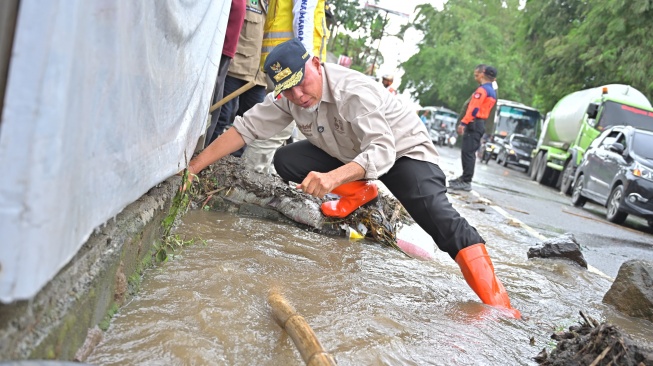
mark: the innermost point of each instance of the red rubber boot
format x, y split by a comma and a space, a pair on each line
352, 196
478, 271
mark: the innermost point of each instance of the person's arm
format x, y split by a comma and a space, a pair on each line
224, 145
304, 22
318, 184
262, 121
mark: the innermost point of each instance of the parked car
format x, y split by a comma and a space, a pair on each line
617, 172
516, 150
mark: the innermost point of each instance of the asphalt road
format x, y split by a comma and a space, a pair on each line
550, 213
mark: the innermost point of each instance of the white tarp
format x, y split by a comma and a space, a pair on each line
104, 100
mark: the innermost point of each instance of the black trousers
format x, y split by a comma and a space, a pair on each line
239, 105
471, 142
218, 93
418, 185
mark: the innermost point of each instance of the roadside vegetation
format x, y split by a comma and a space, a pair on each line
542, 49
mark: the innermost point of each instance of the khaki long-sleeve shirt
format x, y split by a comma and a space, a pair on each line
245, 63
357, 120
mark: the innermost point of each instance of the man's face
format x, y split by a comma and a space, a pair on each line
308, 93
478, 75
386, 82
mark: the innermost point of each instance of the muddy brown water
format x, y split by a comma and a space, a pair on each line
368, 304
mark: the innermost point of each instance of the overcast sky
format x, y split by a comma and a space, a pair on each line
394, 50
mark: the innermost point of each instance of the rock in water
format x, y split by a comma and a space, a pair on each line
632, 290
563, 246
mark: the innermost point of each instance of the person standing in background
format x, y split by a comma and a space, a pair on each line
234, 26
425, 118
245, 68
387, 81
472, 125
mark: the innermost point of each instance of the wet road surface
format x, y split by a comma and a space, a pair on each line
550, 213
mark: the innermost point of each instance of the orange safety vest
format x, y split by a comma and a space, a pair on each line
481, 103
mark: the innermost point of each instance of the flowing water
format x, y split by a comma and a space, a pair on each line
368, 304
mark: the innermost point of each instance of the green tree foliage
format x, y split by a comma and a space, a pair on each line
543, 49
554, 69
355, 32
464, 34
578, 44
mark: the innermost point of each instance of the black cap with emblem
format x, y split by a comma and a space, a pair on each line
285, 65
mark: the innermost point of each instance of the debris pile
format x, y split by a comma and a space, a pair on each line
594, 343
227, 184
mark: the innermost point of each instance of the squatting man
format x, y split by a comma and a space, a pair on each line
357, 132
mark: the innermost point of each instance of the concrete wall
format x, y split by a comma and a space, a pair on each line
85, 293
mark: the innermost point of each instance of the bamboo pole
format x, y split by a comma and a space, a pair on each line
298, 329
231, 96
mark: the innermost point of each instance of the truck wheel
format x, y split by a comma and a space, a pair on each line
534, 165
541, 174
577, 198
567, 180
613, 214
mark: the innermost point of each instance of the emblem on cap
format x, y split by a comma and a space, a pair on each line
285, 65
276, 67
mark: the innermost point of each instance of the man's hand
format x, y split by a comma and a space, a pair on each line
185, 174
461, 129
318, 184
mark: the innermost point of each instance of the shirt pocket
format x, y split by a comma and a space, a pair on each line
251, 36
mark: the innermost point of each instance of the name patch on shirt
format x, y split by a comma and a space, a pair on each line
338, 126
305, 129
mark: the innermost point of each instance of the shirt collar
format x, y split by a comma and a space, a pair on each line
327, 96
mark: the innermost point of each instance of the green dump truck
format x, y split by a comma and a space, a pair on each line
575, 121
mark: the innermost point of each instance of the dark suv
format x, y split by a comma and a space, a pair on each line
516, 150
617, 172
